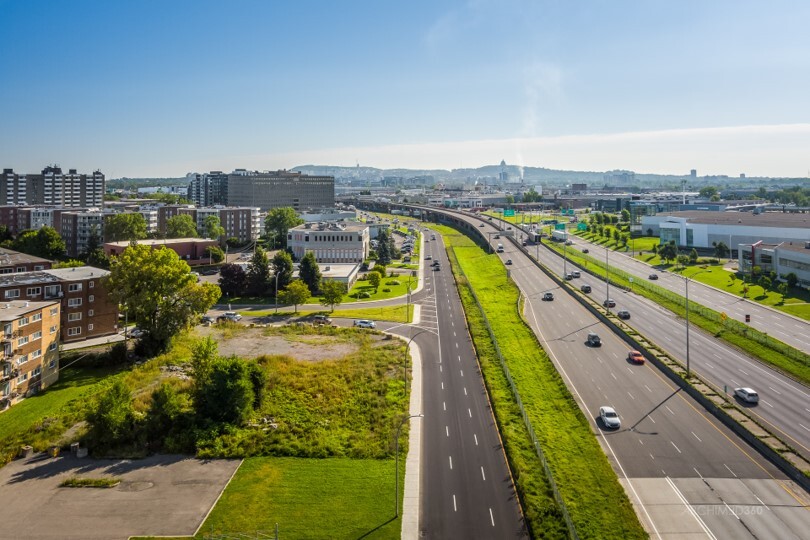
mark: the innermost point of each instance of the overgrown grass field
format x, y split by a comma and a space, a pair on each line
586, 481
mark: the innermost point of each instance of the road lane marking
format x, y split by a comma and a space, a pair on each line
456, 345
670, 410
465, 390
698, 438
730, 510
651, 418
676, 448
476, 439
459, 358
775, 390
451, 462
630, 370
613, 375
482, 474
455, 508
444, 404
491, 517
462, 372
442, 385
690, 509
447, 430
641, 442
454, 333
652, 457
440, 368
469, 412
735, 383
631, 395
648, 388
805, 427
766, 403
729, 470
709, 365
742, 371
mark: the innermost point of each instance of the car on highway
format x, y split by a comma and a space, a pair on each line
749, 395
575, 273
365, 323
585, 250
609, 417
524, 243
653, 276
490, 218
481, 225
433, 237
509, 261
548, 297
428, 257
623, 314
593, 340
569, 243
635, 357
436, 267
610, 302
509, 228
569, 276
435, 263
585, 288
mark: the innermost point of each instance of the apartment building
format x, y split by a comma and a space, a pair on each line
191, 250
269, 189
14, 261
76, 228
29, 357
53, 187
331, 242
86, 309
243, 223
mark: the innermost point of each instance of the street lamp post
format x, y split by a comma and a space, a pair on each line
396, 472
407, 348
607, 279
688, 279
276, 302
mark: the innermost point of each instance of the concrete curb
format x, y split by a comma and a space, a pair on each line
413, 469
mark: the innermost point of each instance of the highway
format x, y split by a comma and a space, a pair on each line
466, 487
686, 473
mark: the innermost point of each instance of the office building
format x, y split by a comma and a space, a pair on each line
53, 187
29, 358
783, 258
330, 242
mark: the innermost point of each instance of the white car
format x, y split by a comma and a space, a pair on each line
609, 417
749, 395
365, 323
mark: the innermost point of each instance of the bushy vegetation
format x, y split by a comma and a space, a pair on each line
77, 482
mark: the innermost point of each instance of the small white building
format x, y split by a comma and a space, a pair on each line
783, 258
331, 242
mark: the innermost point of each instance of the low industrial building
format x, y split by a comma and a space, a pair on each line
330, 242
29, 358
344, 273
191, 250
784, 258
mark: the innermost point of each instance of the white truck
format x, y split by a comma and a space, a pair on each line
500, 248
559, 236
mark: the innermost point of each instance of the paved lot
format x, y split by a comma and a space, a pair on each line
160, 495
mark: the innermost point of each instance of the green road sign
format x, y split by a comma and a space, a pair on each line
509, 212
582, 226
559, 227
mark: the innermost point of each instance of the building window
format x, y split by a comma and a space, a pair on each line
75, 331
33, 291
36, 354
53, 329
74, 302
53, 346
38, 267
22, 269
22, 341
91, 298
23, 321
22, 378
91, 284
52, 363
54, 311
90, 313
36, 335
13, 293
74, 287
75, 316
89, 327
22, 359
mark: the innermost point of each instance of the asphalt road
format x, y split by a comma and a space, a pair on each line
665, 435
467, 490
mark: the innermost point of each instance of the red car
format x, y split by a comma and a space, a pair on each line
635, 357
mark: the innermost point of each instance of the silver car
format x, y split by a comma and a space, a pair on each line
749, 395
365, 323
609, 417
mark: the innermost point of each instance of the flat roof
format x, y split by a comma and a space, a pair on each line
794, 246
77, 273
8, 257
13, 310
159, 241
765, 219
346, 227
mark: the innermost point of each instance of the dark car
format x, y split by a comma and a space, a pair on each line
653, 276
585, 250
610, 302
509, 261
623, 314
585, 288
594, 340
481, 225
206, 319
548, 297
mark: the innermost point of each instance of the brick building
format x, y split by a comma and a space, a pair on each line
86, 309
14, 262
191, 250
29, 353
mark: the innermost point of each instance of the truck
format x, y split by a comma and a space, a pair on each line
559, 236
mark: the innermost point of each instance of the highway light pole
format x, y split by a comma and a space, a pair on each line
688, 279
396, 472
276, 299
607, 279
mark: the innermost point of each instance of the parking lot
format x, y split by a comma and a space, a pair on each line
159, 495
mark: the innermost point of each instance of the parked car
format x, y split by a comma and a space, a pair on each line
593, 340
610, 302
509, 261
749, 395
609, 417
365, 323
575, 273
490, 218
206, 319
548, 297
635, 357
623, 314
585, 288
653, 276
321, 319
428, 257
585, 250
230, 316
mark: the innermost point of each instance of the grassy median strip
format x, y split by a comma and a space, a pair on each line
769, 350
77, 482
590, 489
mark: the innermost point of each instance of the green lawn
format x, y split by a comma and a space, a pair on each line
398, 286
586, 481
309, 499
50, 409
384, 313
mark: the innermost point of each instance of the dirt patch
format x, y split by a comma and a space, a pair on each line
252, 342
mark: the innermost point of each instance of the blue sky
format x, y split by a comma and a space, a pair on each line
161, 88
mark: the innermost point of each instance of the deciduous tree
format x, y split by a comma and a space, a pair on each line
181, 226
332, 292
232, 280
214, 229
375, 280
279, 221
44, 242
258, 274
283, 268
295, 294
124, 227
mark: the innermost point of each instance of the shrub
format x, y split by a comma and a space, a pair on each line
363, 294
386, 289
393, 282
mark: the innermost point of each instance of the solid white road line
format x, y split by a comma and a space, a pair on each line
451, 462
698, 438
491, 517
476, 439
447, 430
469, 412
483, 476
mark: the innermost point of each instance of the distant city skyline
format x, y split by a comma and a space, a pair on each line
149, 89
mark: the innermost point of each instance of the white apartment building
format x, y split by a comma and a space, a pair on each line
331, 242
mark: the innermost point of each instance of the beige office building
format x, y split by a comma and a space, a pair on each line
331, 243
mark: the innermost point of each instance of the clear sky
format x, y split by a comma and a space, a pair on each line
165, 87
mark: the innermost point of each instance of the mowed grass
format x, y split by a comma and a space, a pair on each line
309, 499
384, 313
51, 410
580, 468
397, 286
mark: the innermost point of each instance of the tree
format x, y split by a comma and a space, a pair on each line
283, 268
295, 294
226, 394
721, 250
708, 192
113, 419
783, 290
625, 215
693, 256
181, 226
213, 228
385, 247
375, 279
668, 251
765, 282
44, 242
215, 253
510, 199
531, 195
70, 263
124, 227
157, 291
649, 231
309, 272
5, 234
258, 274
279, 221
94, 253
332, 292
167, 413
683, 260
792, 279
232, 280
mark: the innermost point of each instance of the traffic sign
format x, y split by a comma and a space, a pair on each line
559, 227
509, 212
581, 226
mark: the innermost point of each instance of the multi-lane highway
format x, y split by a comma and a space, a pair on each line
686, 472
466, 487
